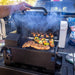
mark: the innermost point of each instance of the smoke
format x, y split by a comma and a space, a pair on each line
36, 21
33, 21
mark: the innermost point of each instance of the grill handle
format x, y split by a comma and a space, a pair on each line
42, 8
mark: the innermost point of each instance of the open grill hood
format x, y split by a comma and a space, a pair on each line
36, 21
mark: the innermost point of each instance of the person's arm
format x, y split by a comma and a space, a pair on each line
6, 10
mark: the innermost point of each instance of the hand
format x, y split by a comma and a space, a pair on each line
24, 6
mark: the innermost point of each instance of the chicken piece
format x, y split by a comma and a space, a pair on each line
34, 34
38, 34
35, 45
42, 35
26, 45
47, 36
51, 43
42, 47
52, 36
46, 47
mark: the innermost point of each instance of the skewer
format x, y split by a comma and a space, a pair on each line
46, 39
62, 53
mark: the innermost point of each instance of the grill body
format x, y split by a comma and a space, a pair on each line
13, 54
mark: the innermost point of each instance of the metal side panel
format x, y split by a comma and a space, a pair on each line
33, 57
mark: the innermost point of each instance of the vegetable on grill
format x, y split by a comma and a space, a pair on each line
40, 41
35, 45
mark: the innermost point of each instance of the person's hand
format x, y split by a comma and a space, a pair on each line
21, 6
24, 6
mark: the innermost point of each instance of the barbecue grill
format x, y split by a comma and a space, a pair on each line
15, 54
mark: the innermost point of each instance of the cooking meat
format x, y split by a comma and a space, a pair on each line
35, 45
47, 36
27, 44
51, 42
38, 34
42, 35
